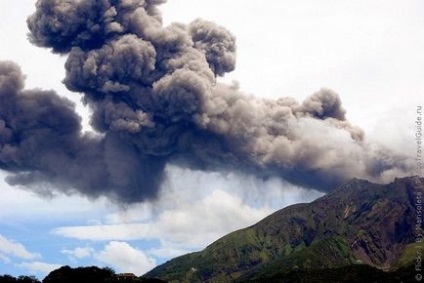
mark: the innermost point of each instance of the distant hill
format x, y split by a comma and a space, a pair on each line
359, 228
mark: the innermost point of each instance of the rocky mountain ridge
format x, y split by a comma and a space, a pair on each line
357, 223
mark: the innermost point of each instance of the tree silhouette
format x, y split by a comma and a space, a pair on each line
91, 274
21, 279
67, 274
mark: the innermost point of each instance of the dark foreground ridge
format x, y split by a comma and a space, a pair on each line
92, 274
359, 230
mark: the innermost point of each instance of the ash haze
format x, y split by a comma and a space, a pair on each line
164, 132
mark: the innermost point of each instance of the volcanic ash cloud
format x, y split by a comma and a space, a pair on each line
154, 100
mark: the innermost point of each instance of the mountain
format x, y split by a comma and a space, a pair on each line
359, 224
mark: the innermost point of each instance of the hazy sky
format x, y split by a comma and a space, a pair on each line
369, 52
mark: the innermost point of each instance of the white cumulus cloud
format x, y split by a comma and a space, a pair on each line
14, 249
79, 252
39, 267
125, 258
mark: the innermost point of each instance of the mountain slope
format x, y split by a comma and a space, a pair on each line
359, 222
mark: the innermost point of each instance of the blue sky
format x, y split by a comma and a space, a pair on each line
39, 234
370, 52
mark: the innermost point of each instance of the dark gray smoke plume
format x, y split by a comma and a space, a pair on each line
154, 100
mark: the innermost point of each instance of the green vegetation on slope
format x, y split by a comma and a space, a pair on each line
359, 222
